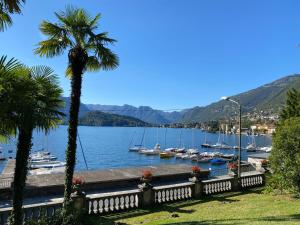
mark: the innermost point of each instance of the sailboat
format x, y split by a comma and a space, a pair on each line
251, 147
139, 147
193, 150
168, 152
205, 144
155, 150
221, 144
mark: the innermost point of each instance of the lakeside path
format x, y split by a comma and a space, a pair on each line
49, 187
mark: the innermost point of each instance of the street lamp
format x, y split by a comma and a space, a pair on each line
240, 133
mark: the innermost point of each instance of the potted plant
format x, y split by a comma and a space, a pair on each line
264, 164
195, 173
233, 167
146, 179
78, 183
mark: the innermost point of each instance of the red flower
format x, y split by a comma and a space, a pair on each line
196, 169
147, 174
78, 181
232, 166
264, 162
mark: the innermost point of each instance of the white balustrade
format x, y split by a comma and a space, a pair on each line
168, 193
251, 181
216, 186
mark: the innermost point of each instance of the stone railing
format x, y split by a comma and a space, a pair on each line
5, 182
146, 196
215, 186
248, 181
33, 211
173, 192
113, 202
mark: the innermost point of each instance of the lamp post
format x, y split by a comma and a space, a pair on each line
240, 132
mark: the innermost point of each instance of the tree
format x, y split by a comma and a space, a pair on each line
75, 31
8, 7
285, 155
292, 108
29, 99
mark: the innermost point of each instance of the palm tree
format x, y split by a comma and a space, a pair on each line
8, 7
87, 51
29, 99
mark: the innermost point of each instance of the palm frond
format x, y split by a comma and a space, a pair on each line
9, 65
5, 20
93, 64
51, 47
12, 6
108, 59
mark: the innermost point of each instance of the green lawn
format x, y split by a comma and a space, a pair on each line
253, 208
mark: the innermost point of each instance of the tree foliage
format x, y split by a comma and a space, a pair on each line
8, 7
76, 31
285, 155
292, 108
29, 99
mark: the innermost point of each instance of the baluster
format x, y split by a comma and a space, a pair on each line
186, 192
131, 201
163, 194
122, 202
127, 202
171, 195
105, 205
182, 193
117, 203
178, 193
111, 204
159, 196
175, 194
168, 195
136, 200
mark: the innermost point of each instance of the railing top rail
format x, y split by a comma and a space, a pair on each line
173, 186
251, 173
112, 194
224, 178
36, 205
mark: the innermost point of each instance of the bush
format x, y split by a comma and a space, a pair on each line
285, 156
60, 218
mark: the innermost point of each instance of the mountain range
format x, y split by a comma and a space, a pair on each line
269, 99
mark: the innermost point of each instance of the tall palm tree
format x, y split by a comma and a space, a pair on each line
75, 31
29, 99
8, 7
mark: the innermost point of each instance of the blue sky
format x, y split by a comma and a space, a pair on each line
174, 53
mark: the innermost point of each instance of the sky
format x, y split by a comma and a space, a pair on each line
174, 54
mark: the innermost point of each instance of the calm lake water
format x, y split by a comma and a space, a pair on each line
107, 147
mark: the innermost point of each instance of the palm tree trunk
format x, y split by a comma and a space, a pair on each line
77, 61
21, 168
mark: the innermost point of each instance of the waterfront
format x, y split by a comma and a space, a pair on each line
107, 147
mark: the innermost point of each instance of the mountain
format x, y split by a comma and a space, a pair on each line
98, 118
144, 113
268, 99
82, 110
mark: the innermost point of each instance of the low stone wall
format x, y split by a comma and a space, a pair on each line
146, 195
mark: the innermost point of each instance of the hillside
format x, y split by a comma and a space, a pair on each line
269, 98
98, 118
144, 113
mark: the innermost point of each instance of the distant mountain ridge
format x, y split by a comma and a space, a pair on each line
269, 98
144, 113
98, 118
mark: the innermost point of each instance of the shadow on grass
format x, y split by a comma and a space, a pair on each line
177, 207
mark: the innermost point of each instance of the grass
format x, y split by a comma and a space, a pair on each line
255, 208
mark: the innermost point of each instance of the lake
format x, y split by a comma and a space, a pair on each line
107, 147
